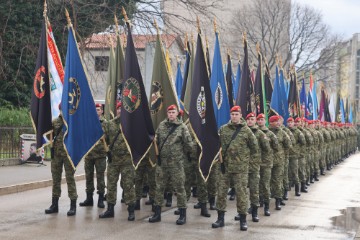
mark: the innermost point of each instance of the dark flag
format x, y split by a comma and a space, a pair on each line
327, 111
245, 88
268, 88
186, 73
309, 115
136, 124
337, 109
293, 98
229, 81
258, 88
40, 94
201, 113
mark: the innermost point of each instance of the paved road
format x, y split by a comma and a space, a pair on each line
331, 210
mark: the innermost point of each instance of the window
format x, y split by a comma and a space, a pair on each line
357, 92
358, 53
357, 77
358, 64
101, 63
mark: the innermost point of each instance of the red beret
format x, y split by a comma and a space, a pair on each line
298, 119
235, 109
304, 119
290, 119
274, 118
172, 107
118, 105
181, 112
250, 115
311, 121
261, 115
98, 105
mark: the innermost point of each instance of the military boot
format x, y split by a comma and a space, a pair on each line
277, 203
197, 205
266, 209
303, 189
149, 202
282, 203
131, 211
168, 199
72, 210
101, 201
54, 208
307, 181
89, 201
212, 203
137, 205
204, 210
232, 194
177, 211
109, 213
237, 217
194, 192
322, 171
157, 215
182, 218
261, 201
297, 190
311, 178
285, 196
145, 192
243, 223
254, 213
316, 177
220, 220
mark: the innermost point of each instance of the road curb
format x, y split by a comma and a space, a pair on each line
33, 185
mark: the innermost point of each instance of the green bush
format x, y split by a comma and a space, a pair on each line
15, 117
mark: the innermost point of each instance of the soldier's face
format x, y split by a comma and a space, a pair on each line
291, 124
172, 114
261, 122
118, 111
251, 121
274, 124
235, 117
99, 111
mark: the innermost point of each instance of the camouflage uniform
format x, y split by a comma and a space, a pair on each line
314, 153
308, 151
286, 163
236, 160
60, 159
120, 164
295, 154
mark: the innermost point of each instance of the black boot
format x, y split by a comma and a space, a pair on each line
307, 181
182, 218
145, 191
131, 211
194, 192
212, 203
72, 210
311, 178
316, 177
297, 190
285, 196
243, 223
54, 208
322, 171
149, 202
177, 211
266, 209
261, 201
109, 213
303, 189
89, 201
232, 194
157, 215
101, 201
282, 203
204, 210
197, 205
137, 205
220, 220
254, 213
277, 203
237, 217
168, 199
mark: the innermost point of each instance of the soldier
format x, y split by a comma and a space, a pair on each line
119, 162
59, 159
266, 164
96, 158
286, 185
239, 145
174, 144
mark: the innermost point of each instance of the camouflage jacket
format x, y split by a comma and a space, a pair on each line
284, 144
274, 146
59, 151
236, 156
314, 147
98, 152
299, 142
290, 136
177, 146
264, 148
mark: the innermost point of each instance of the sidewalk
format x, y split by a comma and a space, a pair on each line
19, 178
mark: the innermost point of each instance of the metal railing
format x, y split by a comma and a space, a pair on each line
10, 141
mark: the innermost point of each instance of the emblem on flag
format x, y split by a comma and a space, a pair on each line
201, 105
157, 97
218, 96
74, 95
131, 95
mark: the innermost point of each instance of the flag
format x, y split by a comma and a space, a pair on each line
237, 81
208, 58
229, 81
245, 88
315, 105
267, 93
186, 74
279, 101
201, 113
350, 114
310, 114
109, 111
82, 126
179, 83
337, 109
168, 63
56, 73
136, 124
347, 110
189, 80
342, 110
293, 99
332, 107
322, 106
162, 93
40, 94
327, 112
218, 88
258, 88
303, 100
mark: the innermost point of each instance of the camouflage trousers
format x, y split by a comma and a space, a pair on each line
207, 189
240, 181
56, 171
175, 177
213, 180
277, 180
254, 179
302, 169
264, 184
127, 172
294, 170
190, 176
308, 165
144, 175
316, 162
90, 165
322, 159
286, 173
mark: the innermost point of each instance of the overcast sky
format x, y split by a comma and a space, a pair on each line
343, 16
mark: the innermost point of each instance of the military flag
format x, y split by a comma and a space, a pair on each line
350, 114
246, 88
218, 88
303, 100
315, 105
342, 110
293, 99
188, 87
309, 114
322, 106
40, 94
82, 126
201, 113
179, 83
337, 109
258, 88
237, 82
267, 92
327, 112
229, 81
279, 101
347, 110
208, 56
136, 123
186, 72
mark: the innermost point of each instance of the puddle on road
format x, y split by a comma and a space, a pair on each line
348, 221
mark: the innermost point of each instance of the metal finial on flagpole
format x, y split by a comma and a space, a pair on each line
116, 24
244, 37
67, 17
198, 24
156, 26
45, 9
215, 26
125, 15
186, 41
258, 47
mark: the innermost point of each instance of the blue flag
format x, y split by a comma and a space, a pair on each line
82, 126
218, 88
342, 110
279, 102
350, 115
237, 80
178, 84
303, 100
309, 115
